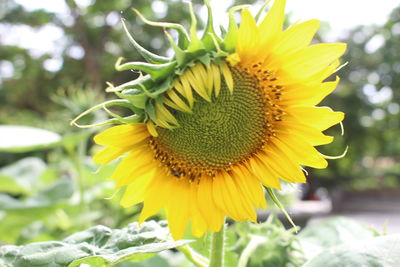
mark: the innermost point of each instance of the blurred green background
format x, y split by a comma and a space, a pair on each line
49, 189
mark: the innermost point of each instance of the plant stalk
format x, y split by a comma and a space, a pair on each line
217, 248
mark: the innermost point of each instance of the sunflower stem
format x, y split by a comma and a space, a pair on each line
217, 248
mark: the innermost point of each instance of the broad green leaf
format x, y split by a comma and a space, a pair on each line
373, 252
22, 176
19, 213
98, 246
335, 231
44, 200
24, 139
155, 261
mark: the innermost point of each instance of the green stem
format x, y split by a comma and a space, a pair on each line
217, 248
255, 241
78, 165
193, 256
77, 154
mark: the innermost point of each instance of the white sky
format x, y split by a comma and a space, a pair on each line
342, 15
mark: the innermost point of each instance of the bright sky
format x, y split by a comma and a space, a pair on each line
342, 15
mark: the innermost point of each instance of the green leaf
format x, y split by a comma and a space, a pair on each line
335, 231
20, 139
97, 246
155, 261
22, 176
373, 252
42, 202
18, 213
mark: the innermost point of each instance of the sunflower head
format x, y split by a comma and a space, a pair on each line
223, 118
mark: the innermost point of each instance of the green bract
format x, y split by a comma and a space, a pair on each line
141, 94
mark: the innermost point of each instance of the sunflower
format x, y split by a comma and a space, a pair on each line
223, 119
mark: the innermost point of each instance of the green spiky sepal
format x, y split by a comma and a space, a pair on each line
141, 94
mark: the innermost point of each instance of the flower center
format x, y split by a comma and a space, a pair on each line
217, 134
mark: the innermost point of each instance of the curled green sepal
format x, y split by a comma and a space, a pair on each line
149, 56
180, 56
115, 102
229, 43
156, 71
280, 206
136, 97
144, 80
183, 37
195, 44
125, 120
150, 111
219, 52
209, 35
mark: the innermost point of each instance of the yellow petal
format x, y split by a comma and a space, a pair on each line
225, 195
265, 174
180, 104
132, 166
109, 153
282, 164
247, 36
250, 185
196, 84
239, 198
199, 225
308, 95
301, 151
297, 128
217, 78
163, 114
135, 191
178, 207
228, 76
319, 117
296, 37
207, 206
151, 128
313, 59
122, 135
156, 195
185, 89
201, 73
271, 26
209, 79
